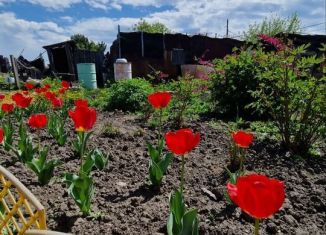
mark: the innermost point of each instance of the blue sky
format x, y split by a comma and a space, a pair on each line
31, 24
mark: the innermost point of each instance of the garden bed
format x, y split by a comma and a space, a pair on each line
126, 204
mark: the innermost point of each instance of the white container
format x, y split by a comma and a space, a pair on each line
10, 80
122, 69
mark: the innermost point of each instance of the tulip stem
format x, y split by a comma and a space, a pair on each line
182, 173
82, 147
160, 127
256, 226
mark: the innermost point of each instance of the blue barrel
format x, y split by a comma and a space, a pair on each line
87, 75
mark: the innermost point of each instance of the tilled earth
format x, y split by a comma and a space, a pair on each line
126, 204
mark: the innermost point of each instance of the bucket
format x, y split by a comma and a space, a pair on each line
122, 70
87, 75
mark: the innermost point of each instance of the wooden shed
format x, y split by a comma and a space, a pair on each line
65, 56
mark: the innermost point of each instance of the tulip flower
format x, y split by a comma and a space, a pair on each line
1, 135
83, 117
2, 96
159, 100
37, 121
57, 102
49, 95
65, 84
182, 142
242, 139
21, 100
158, 164
7, 108
39, 90
81, 102
47, 86
62, 90
29, 86
257, 195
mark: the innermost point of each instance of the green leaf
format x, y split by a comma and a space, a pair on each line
177, 206
80, 188
153, 153
100, 159
155, 173
190, 223
170, 224
165, 162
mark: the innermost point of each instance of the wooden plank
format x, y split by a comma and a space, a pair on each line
15, 70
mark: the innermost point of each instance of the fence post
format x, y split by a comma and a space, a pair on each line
15, 70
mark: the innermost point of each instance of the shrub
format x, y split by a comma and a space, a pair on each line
129, 95
235, 76
292, 87
190, 99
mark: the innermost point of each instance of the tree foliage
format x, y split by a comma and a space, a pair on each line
156, 27
83, 43
273, 25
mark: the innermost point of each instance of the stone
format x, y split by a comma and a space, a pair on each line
209, 193
121, 184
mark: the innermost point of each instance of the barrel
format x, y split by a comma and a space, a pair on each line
122, 70
87, 75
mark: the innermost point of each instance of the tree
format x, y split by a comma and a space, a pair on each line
273, 25
156, 27
83, 43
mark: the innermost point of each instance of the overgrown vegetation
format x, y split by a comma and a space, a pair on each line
129, 95
273, 25
235, 76
83, 43
156, 27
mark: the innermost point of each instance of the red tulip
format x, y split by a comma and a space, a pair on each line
65, 84
242, 139
257, 195
47, 86
83, 117
37, 120
1, 135
7, 108
81, 102
182, 141
49, 95
21, 100
29, 86
40, 90
62, 90
159, 99
2, 96
57, 102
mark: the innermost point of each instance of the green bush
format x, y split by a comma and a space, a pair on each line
190, 99
235, 76
292, 87
129, 95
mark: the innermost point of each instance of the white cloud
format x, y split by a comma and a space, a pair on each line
54, 4
18, 34
67, 19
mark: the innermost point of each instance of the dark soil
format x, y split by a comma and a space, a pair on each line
126, 204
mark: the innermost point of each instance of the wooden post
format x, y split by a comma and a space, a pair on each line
119, 39
15, 70
142, 43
